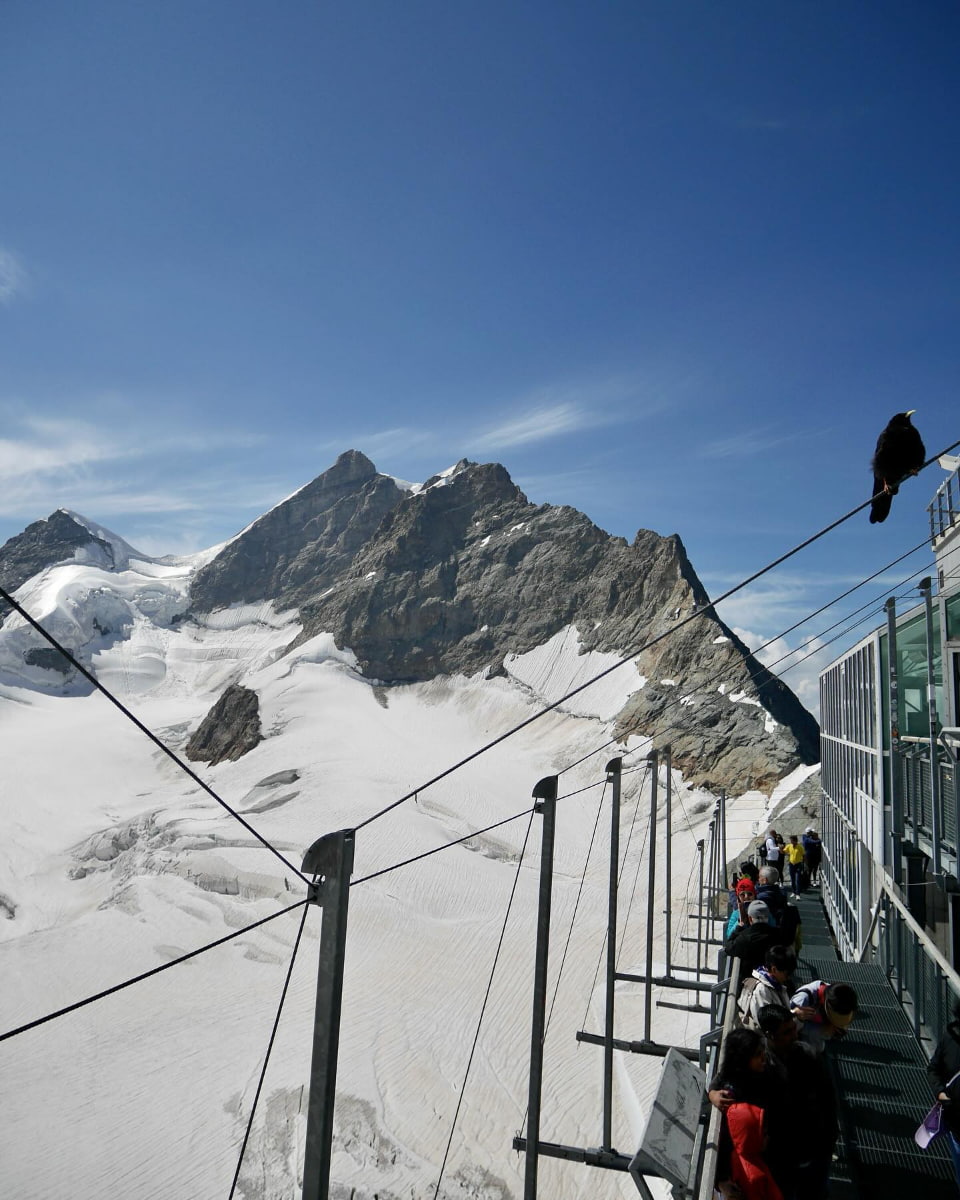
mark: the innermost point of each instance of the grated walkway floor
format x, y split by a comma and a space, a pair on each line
879, 1070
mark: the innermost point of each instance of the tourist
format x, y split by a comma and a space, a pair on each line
824, 1011
744, 896
774, 843
813, 854
746, 1080
943, 1074
767, 985
795, 855
751, 942
811, 1102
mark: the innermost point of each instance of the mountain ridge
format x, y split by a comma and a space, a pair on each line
463, 575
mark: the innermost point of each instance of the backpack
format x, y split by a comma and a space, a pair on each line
743, 1003
815, 997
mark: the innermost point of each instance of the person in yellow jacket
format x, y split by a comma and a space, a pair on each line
794, 853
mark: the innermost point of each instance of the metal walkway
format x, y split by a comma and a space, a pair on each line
879, 1072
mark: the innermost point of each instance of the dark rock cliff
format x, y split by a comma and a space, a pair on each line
229, 730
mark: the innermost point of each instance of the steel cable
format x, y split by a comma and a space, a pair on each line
266, 1059
119, 987
171, 754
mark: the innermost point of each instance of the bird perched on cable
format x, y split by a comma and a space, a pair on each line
900, 452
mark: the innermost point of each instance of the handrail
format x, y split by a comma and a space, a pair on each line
929, 946
708, 1166
873, 924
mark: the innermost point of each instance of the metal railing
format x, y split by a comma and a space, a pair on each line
926, 984
703, 1166
918, 794
945, 509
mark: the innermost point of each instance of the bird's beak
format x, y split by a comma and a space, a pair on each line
910, 412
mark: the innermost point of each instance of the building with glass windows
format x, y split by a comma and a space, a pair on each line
889, 717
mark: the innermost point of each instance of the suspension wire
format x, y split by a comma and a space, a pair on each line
697, 612
573, 917
266, 1059
843, 595
171, 754
621, 867
486, 998
446, 846
875, 611
586, 788
783, 633
773, 676
636, 878
686, 909
816, 650
870, 604
119, 987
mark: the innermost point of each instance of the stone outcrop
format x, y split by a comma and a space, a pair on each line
229, 730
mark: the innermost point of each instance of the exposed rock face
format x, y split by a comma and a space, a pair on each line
230, 728
304, 544
57, 539
465, 570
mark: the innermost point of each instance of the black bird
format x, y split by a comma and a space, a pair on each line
900, 452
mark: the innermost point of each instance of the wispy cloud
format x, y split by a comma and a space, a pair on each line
573, 406
107, 472
383, 443
53, 448
13, 277
746, 444
534, 426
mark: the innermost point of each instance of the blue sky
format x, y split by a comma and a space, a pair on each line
674, 264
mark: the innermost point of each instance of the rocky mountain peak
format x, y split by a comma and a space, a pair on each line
461, 573
304, 543
58, 538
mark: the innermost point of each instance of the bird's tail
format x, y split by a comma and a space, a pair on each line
880, 508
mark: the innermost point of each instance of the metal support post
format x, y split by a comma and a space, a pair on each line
936, 813
329, 861
546, 793
700, 906
654, 761
896, 763
723, 881
916, 883
668, 865
614, 779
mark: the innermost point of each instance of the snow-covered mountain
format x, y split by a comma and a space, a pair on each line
359, 638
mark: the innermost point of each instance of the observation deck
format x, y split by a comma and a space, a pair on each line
879, 1072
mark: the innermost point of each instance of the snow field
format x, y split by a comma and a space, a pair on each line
116, 862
